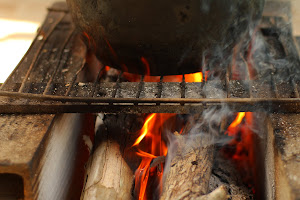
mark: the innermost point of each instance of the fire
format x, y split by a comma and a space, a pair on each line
144, 129
142, 176
195, 77
232, 129
241, 148
146, 64
150, 140
149, 144
150, 136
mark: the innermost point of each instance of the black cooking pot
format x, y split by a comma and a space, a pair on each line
162, 37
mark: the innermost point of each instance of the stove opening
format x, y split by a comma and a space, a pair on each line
11, 186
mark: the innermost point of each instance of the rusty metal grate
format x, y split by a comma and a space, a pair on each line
46, 80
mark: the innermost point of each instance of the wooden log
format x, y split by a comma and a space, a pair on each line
218, 194
188, 171
110, 173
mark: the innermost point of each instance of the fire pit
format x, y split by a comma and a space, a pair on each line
52, 78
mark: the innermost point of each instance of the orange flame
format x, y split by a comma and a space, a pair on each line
241, 148
146, 64
150, 138
142, 176
232, 129
91, 41
144, 129
145, 154
196, 77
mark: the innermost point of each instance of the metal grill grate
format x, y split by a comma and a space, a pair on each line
46, 80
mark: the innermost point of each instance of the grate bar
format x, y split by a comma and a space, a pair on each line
296, 92
183, 87
83, 65
126, 105
38, 53
117, 85
67, 40
140, 88
290, 48
97, 81
273, 85
42, 98
227, 78
159, 87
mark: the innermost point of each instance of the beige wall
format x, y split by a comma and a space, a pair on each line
296, 16
28, 10
295, 13
19, 20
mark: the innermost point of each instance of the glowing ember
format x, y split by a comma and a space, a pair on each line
197, 77
241, 148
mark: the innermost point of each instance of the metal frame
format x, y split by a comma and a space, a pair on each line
21, 101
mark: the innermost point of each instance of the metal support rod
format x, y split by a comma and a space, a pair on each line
41, 98
117, 85
159, 87
97, 81
141, 87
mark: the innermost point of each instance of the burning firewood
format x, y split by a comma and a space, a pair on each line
189, 174
188, 171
